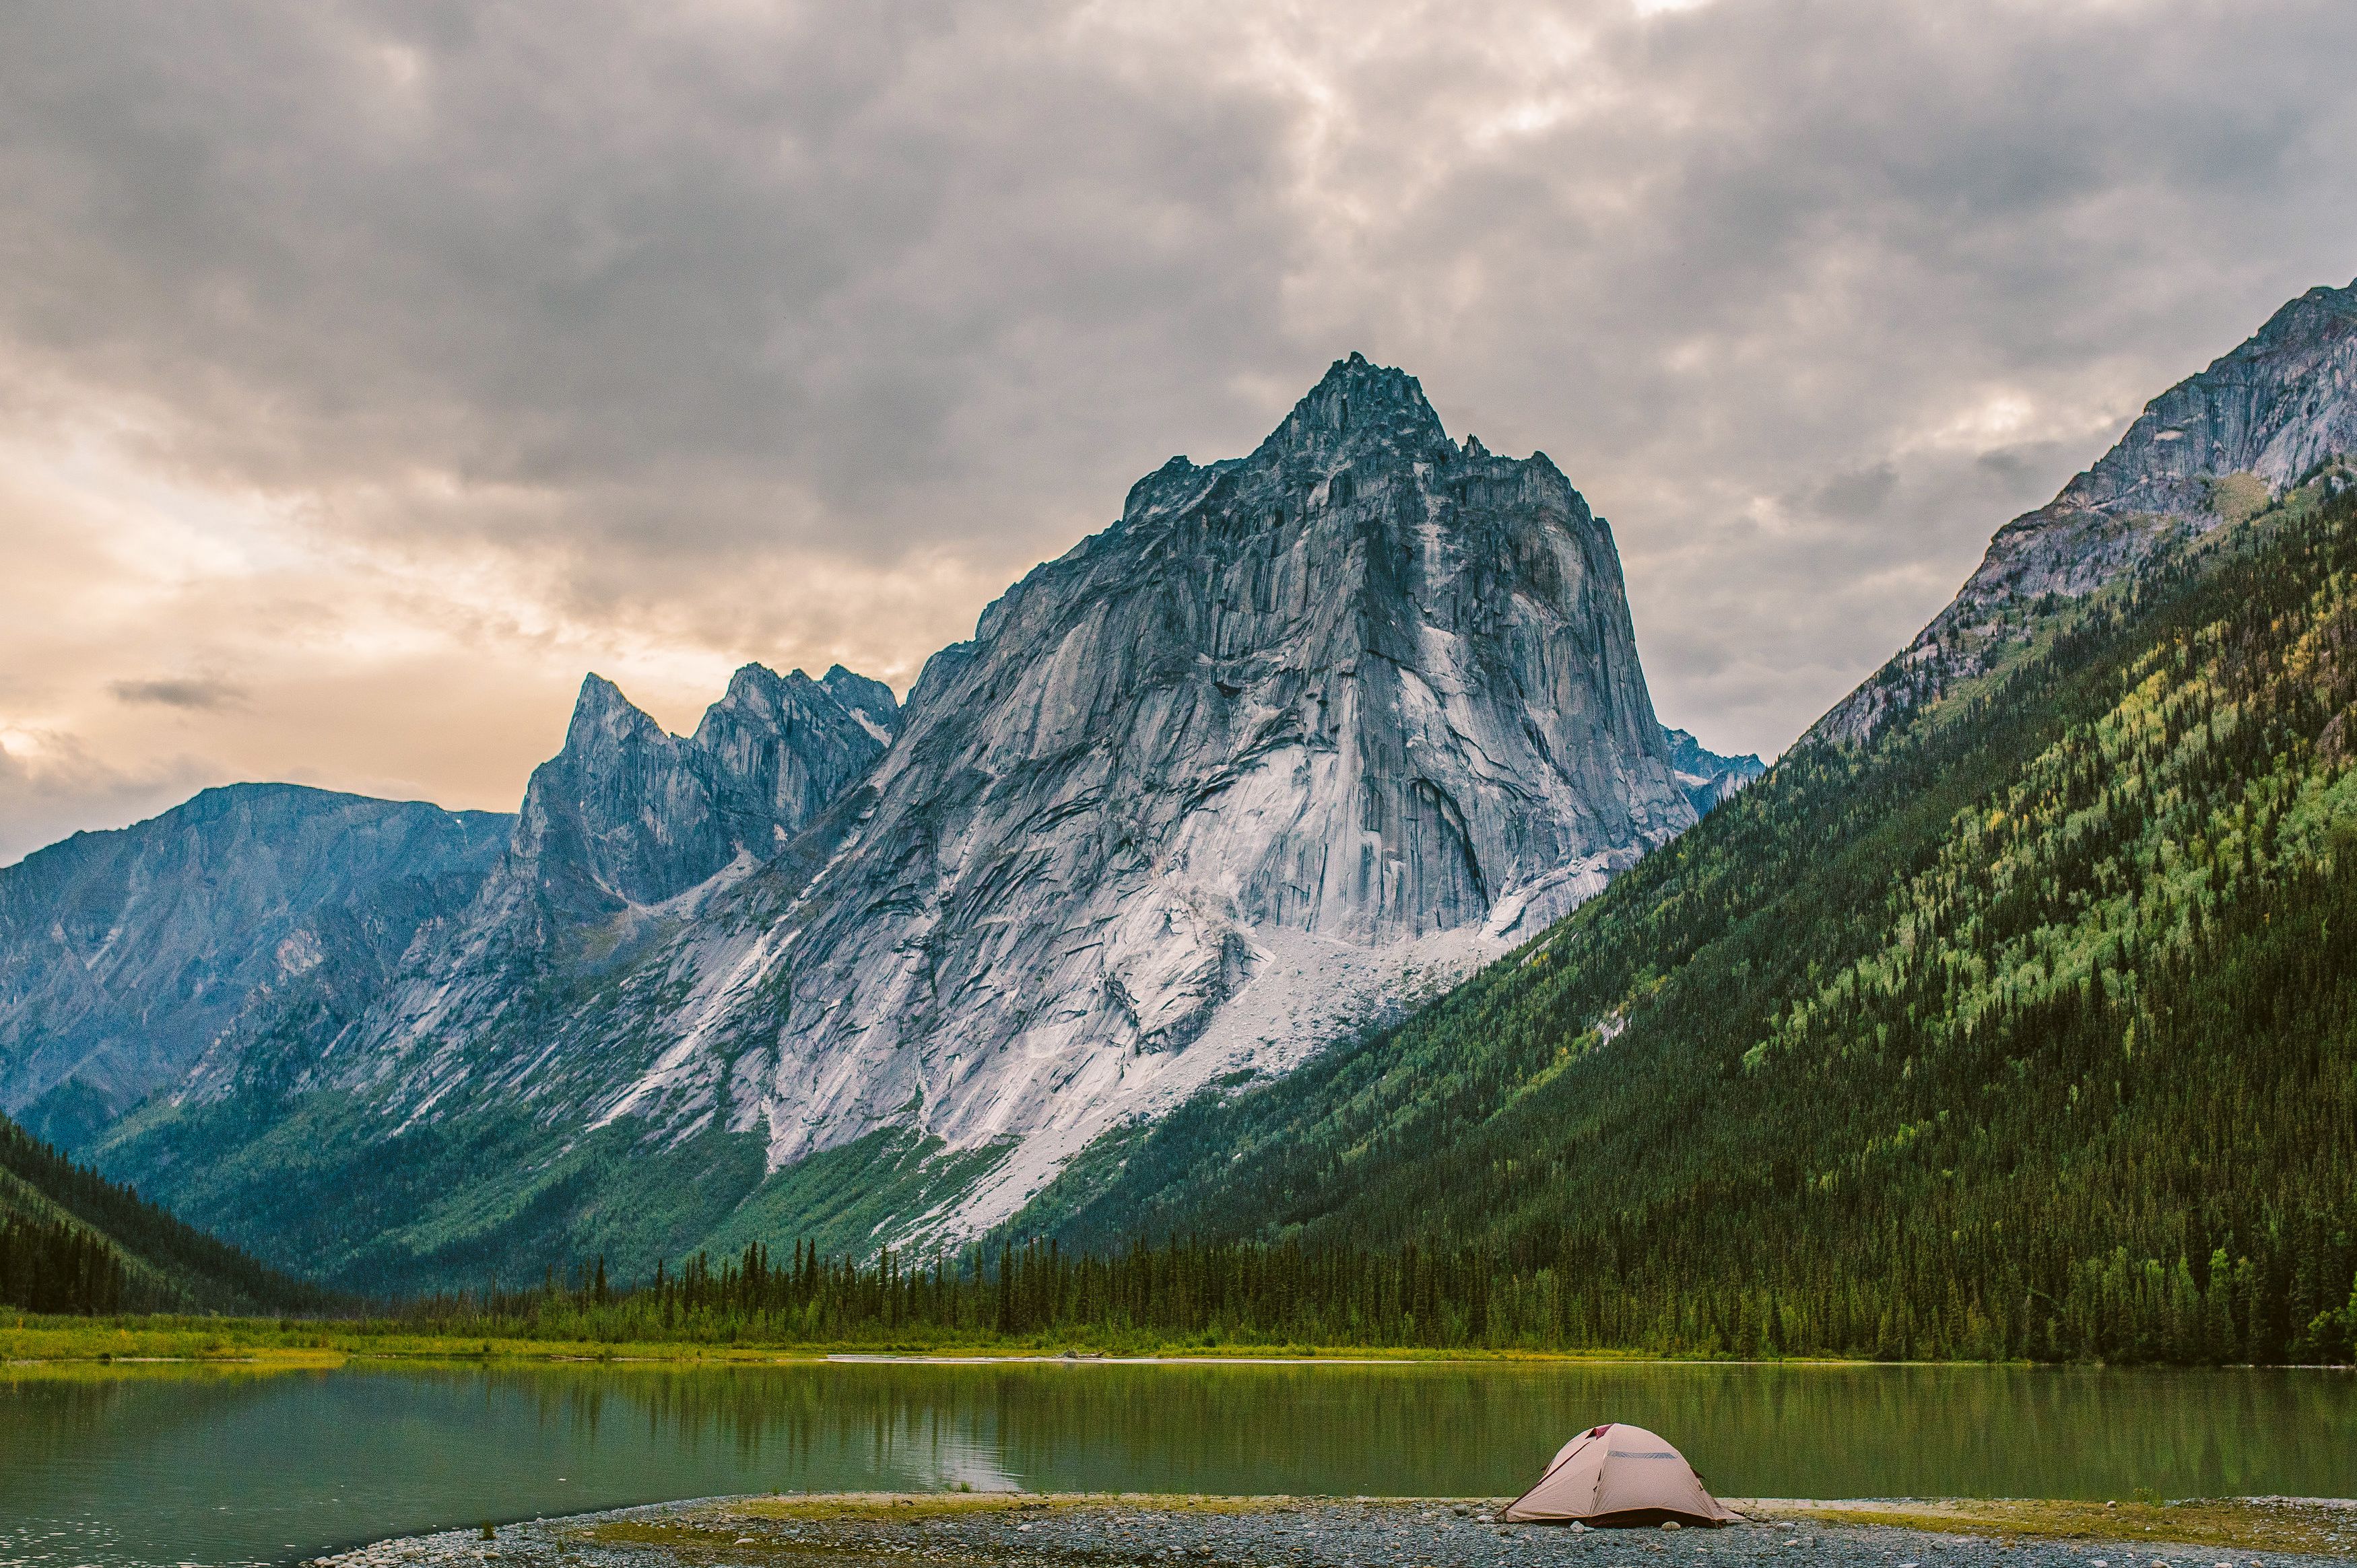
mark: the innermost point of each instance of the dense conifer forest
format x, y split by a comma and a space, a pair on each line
70, 1241
55, 1265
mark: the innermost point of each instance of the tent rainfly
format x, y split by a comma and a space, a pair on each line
1616, 1474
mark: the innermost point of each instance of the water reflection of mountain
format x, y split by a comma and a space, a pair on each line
50, 1412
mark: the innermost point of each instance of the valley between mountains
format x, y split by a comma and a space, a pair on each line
1299, 863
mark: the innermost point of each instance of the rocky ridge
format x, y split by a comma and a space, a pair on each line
628, 814
251, 939
126, 956
2277, 412
621, 837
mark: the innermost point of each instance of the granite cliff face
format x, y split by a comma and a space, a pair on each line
623, 836
2279, 411
1301, 728
1301, 737
124, 956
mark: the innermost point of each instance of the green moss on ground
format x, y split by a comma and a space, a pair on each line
2243, 1524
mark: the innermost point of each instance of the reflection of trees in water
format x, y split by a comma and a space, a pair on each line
2038, 1431
1756, 1431
48, 1414
1753, 1430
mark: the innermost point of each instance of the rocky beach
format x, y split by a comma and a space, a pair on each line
969, 1529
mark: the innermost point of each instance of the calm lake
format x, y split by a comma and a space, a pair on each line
169, 1465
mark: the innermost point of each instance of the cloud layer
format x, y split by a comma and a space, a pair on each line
369, 370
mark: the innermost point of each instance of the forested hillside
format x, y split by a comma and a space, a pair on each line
71, 1240
2029, 1028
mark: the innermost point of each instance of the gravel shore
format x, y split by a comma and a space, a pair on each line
955, 1531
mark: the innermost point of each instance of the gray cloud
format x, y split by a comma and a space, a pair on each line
789, 331
180, 692
1855, 492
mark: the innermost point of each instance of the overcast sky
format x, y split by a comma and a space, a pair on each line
369, 371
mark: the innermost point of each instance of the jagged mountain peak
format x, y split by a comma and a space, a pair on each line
758, 682
868, 701
2274, 405
2321, 308
627, 833
631, 815
1710, 779
605, 720
1362, 430
1303, 735
850, 687
1360, 404
1355, 696
757, 690
1360, 415
603, 716
794, 704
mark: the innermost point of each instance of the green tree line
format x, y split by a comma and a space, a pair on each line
1206, 1293
58, 1266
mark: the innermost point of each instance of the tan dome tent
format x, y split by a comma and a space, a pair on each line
1619, 1474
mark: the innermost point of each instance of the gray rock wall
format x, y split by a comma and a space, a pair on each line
1300, 736
628, 814
1367, 685
1710, 779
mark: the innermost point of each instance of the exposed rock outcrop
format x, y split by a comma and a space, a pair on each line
1363, 701
628, 814
1302, 735
623, 836
2278, 410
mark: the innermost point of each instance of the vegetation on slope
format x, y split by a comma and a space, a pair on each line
2026, 1030
72, 1242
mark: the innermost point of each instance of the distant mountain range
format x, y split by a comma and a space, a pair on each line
1710, 779
1304, 736
127, 959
